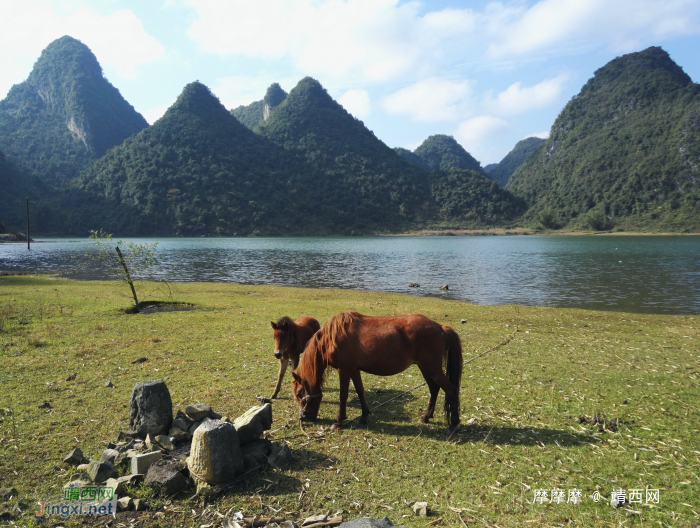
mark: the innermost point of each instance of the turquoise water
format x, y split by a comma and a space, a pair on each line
653, 274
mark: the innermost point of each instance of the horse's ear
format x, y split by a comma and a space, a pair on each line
296, 377
274, 325
284, 326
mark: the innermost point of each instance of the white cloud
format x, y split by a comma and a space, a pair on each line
357, 102
516, 98
362, 40
556, 26
478, 136
118, 39
432, 99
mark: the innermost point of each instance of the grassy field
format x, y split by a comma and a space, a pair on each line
522, 402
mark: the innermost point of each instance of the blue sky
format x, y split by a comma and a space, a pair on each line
488, 73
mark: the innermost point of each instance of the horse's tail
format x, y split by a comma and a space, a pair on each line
453, 370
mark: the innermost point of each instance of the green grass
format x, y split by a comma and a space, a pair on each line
525, 397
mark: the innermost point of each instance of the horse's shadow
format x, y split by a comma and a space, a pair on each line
269, 482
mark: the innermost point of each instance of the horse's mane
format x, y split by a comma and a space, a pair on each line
287, 320
314, 361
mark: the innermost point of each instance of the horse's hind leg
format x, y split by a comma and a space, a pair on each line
451, 396
434, 390
360, 389
280, 376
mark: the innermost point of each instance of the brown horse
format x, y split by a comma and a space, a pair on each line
290, 339
352, 343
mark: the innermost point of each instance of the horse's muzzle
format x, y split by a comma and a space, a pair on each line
307, 416
278, 354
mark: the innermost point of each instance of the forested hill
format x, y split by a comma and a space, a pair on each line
196, 171
250, 115
372, 187
313, 169
440, 152
623, 152
65, 115
500, 172
16, 185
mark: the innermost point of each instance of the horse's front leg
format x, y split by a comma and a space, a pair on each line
344, 386
280, 376
360, 389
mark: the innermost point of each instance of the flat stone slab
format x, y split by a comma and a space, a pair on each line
141, 462
198, 411
252, 423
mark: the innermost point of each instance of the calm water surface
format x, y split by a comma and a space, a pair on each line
654, 274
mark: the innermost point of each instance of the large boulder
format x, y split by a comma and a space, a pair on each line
150, 408
215, 454
252, 423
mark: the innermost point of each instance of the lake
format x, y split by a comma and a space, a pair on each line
651, 274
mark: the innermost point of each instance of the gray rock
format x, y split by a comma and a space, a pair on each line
445, 287
198, 411
110, 455
6, 493
194, 427
109, 385
413, 285
420, 508
251, 424
150, 408
140, 505
100, 471
182, 421
368, 522
116, 485
75, 457
255, 453
280, 456
165, 478
141, 462
215, 454
177, 433
464, 321
82, 467
125, 504
164, 441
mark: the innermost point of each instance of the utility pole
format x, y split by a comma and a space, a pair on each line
28, 237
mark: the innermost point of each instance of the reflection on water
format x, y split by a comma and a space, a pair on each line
657, 274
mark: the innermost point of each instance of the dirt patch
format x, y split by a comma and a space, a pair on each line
149, 307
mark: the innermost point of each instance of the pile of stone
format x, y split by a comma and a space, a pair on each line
168, 453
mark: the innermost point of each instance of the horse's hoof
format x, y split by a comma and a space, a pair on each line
362, 420
307, 418
423, 421
336, 426
454, 427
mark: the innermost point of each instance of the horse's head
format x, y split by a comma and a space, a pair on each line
285, 340
309, 401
